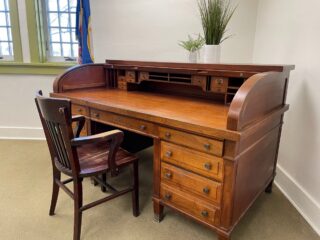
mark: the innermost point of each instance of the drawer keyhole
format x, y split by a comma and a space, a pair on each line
208, 166
143, 127
167, 135
97, 115
204, 213
167, 196
168, 175
206, 190
168, 154
207, 146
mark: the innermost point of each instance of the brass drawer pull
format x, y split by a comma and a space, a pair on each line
96, 115
168, 175
206, 190
167, 196
143, 127
167, 135
207, 146
79, 110
205, 213
168, 154
208, 166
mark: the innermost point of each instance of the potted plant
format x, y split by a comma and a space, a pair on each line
215, 16
193, 46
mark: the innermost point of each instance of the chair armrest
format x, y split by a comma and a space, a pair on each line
80, 123
114, 136
77, 118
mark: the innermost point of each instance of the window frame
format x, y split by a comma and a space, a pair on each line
47, 36
15, 33
37, 31
38, 64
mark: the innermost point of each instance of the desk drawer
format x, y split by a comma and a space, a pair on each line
189, 204
201, 163
200, 143
207, 189
123, 122
79, 110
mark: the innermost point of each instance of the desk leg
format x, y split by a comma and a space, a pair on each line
220, 237
158, 210
269, 187
157, 207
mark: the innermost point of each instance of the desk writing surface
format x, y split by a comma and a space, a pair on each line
184, 109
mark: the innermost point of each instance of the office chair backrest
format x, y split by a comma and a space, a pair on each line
55, 116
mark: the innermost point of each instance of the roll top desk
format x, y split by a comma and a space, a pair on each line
215, 128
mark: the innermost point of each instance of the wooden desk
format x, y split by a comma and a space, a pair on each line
215, 128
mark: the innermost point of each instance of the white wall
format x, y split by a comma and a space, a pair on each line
151, 29
288, 31
19, 117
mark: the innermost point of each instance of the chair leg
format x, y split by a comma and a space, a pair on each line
135, 192
55, 191
93, 182
77, 184
104, 179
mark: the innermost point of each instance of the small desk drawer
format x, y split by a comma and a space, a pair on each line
207, 189
200, 143
219, 84
201, 163
79, 110
123, 121
131, 76
189, 204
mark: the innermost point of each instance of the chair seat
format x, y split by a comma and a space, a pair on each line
93, 158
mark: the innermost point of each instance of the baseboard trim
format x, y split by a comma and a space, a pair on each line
305, 204
23, 133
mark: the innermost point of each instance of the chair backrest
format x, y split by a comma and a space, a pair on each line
55, 115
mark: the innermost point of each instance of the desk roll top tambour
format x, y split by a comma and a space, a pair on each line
216, 128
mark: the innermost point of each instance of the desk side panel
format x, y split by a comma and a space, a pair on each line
257, 97
256, 113
255, 170
81, 77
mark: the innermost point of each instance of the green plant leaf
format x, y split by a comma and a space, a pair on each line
215, 16
191, 44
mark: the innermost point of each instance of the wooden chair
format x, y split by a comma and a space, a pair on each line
80, 157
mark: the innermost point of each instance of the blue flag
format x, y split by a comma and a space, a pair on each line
83, 32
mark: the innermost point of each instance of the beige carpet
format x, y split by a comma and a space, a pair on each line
25, 191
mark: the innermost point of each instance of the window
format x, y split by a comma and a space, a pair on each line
60, 30
38, 61
6, 43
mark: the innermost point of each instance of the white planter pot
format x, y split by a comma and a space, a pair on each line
193, 57
211, 53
